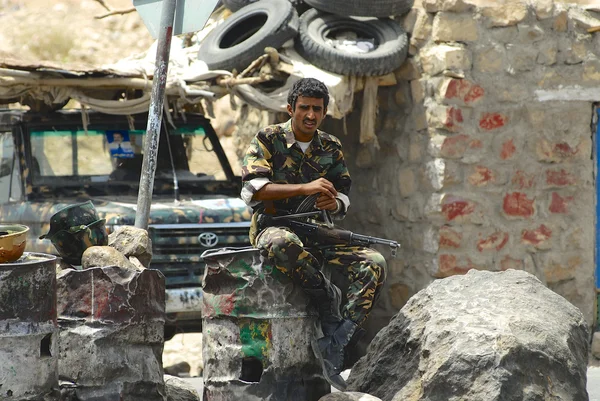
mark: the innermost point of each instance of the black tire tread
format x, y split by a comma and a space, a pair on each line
242, 56
347, 64
363, 8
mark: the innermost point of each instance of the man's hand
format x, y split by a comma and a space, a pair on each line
326, 203
320, 186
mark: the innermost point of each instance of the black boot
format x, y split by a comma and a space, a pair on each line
330, 352
327, 299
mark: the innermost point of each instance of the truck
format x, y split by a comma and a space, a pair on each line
49, 160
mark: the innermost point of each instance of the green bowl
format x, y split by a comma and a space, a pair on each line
13, 238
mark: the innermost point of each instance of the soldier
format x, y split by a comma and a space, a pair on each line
283, 164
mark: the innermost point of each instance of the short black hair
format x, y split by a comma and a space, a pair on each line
308, 87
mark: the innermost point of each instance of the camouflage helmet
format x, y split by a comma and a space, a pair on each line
77, 215
71, 243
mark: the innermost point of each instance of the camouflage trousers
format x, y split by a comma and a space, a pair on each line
364, 267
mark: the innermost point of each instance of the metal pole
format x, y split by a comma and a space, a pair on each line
155, 114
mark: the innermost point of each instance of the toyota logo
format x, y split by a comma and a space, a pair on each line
208, 240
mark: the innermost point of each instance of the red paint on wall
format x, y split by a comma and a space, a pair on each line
560, 178
523, 180
453, 117
457, 208
496, 241
449, 238
518, 204
492, 121
508, 149
475, 93
536, 237
559, 204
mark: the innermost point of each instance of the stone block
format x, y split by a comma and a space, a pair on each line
547, 52
422, 27
539, 238
399, 293
508, 149
561, 18
581, 20
132, 241
417, 88
530, 33
521, 58
490, 59
349, 396
407, 182
518, 205
460, 91
560, 204
523, 180
491, 121
510, 13
557, 152
458, 208
450, 237
408, 71
447, 118
591, 71
450, 27
101, 256
508, 262
560, 177
493, 242
446, 57
543, 9
457, 6
481, 176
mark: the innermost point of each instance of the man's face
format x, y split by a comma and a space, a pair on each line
307, 115
117, 138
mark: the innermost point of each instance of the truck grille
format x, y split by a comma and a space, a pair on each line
176, 248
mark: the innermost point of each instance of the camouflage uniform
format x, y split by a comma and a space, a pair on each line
274, 155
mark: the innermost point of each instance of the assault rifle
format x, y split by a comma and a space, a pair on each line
323, 233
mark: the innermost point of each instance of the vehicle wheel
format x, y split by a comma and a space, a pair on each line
362, 8
170, 332
243, 37
320, 42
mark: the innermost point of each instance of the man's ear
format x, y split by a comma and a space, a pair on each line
289, 109
324, 112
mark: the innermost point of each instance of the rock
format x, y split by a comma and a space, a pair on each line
175, 370
484, 335
102, 256
349, 396
132, 241
180, 390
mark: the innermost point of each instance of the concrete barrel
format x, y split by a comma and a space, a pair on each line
111, 324
28, 328
257, 330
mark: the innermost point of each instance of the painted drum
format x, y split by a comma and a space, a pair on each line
28, 328
257, 330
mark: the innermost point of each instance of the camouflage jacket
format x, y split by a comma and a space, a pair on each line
275, 155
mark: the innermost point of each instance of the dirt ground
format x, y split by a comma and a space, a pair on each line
67, 31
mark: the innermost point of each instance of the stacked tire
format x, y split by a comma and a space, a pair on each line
334, 35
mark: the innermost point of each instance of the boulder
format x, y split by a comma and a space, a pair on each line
180, 390
102, 256
132, 241
349, 396
482, 336
177, 369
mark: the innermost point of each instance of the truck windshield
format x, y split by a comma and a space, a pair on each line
69, 157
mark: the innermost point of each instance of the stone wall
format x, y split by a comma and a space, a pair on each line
486, 149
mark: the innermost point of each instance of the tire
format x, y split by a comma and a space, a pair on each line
363, 8
235, 5
390, 53
242, 38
